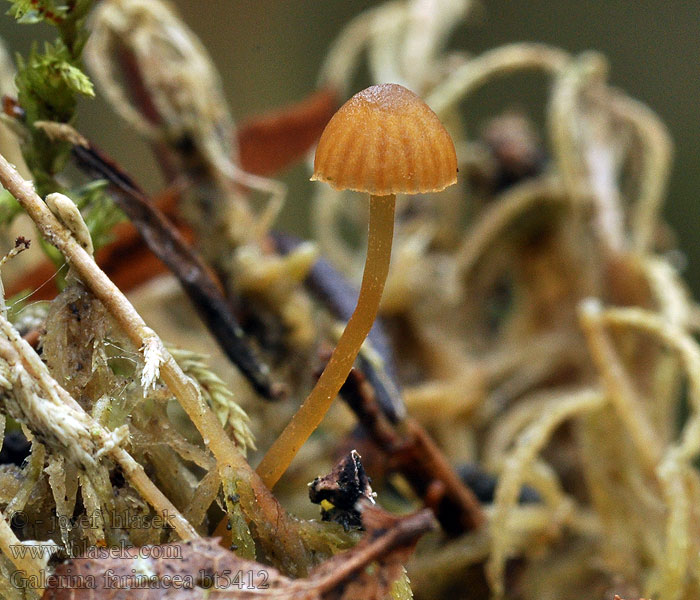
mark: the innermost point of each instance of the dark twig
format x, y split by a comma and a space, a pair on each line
415, 455
198, 281
432, 477
331, 288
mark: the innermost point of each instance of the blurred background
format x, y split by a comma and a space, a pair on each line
269, 53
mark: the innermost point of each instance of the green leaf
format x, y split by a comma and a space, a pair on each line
50, 75
29, 12
76, 80
48, 84
401, 588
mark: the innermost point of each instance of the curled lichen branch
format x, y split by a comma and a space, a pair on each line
619, 387
657, 150
501, 61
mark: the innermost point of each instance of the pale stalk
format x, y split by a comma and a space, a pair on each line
317, 403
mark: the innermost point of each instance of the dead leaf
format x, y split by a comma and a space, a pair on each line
269, 143
200, 569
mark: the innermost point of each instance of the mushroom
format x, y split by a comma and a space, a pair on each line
383, 141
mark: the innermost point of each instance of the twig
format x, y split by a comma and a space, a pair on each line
396, 533
196, 278
126, 260
359, 395
231, 463
416, 456
423, 463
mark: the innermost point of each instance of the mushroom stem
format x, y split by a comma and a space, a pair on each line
317, 403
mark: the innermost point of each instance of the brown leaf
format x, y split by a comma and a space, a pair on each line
200, 569
180, 571
272, 142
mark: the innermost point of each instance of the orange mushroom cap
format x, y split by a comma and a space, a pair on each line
386, 140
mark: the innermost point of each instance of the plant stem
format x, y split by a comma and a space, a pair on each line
339, 296
121, 309
281, 537
314, 408
198, 281
229, 459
